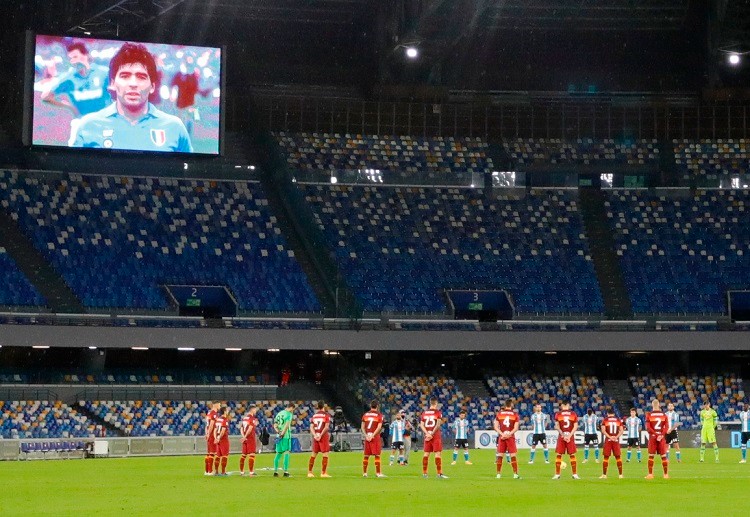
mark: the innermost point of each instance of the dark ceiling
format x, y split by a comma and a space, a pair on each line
465, 43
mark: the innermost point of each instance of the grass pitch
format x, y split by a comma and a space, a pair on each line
176, 486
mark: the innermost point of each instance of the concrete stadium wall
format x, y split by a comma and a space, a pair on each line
367, 340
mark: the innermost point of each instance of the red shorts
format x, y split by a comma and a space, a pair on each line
322, 445
249, 446
507, 445
210, 446
434, 445
612, 448
222, 449
374, 447
657, 446
564, 447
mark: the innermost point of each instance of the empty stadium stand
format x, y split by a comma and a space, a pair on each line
681, 253
116, 240
583, 392
377, 158
15, 288
137, 418
412, 394
705, 160
42, 419
399, 248
584, 151
689, 392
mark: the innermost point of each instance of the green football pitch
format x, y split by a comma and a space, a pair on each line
177, 486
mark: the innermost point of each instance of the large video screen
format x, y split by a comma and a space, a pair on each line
105, 94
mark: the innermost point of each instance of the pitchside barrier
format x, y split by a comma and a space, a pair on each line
69, 448
726, 438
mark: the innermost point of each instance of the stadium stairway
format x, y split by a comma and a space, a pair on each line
474, 388
304, 258
60, 298
602, 248
670, 173
620, 391
97, 420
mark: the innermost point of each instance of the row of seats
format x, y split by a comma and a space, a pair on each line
712, 159
681, 254
117, 240
403, 155
52, 447
187, 418
15, 288
584, 151
400, 248
689, 393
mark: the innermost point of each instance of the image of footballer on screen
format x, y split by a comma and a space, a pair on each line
82, 89
74, 79
131, 121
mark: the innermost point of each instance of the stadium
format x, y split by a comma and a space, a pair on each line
506, 241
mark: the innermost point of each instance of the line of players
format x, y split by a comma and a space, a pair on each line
661, 427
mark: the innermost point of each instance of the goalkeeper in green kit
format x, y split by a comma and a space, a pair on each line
709, 423
282, 424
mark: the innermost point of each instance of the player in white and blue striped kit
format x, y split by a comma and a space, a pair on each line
745, 431
673, 438
461, 431
633, 426
398, 427
590, 434
539, 423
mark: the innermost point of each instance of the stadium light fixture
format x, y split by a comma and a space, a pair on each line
40, 347
550, 352
185, 349
274, 350
92, 348
412, 52
734, 59
233, 349
139, 348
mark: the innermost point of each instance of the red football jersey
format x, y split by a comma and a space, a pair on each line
432, 419
612, 425
657, 423
220, 425
247, 422
372, 419
566, 420
507, 419
210, 421
319, 421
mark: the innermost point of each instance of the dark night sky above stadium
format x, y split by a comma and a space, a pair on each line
467, 44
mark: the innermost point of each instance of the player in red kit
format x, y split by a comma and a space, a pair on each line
321, 442
566, 424
247, 430
372, 424
657, 426
506, 423
612, 429
221, 439
211, 416
430, 424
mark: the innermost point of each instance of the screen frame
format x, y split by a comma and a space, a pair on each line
28, 101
